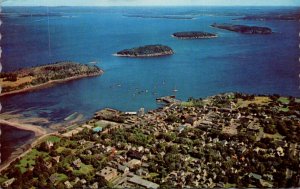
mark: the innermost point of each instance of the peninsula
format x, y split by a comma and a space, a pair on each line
146, 51
243, 29
230, 140
30, 78
194, 35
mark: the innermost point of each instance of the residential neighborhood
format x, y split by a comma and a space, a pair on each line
224, 141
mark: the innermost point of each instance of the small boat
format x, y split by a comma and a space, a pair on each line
175, 90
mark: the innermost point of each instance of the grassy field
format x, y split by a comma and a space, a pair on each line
284, 100
60, 178
228, 185
29, 160
53, 139
16, 83
284, 109
84, 169
259, 100
187, 104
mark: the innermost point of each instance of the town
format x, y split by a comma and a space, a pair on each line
224, 141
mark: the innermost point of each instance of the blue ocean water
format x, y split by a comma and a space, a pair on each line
199, 68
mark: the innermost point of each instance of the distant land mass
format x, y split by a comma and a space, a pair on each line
194, 35
29, 78
30, 15
243, 28
146, 51
283, 17
176, 17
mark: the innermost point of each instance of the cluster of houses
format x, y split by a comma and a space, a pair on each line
203, 158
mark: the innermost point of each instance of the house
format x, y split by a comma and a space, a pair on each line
53, 178
94, 186
253, 126
140, 149
123, 169
8, 182
142, 182
255, 176
109, 173
134, 163
49, 144
130, 113
280, 151
141, 112
141, 172
181, 128
77, 163
48, 165
68, 184
56, 158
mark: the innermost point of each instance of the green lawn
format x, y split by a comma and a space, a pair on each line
29, 159
60, 177
187, 104
284, 109
60, 149
259, 100
152, 175
53, 139
84, 169
284, 100
228, 185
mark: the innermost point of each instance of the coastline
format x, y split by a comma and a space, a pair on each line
49, 83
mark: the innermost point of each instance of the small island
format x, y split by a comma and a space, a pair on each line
29, 78
194, 35
146, 51
243, 29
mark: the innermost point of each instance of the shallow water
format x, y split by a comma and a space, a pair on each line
11, 138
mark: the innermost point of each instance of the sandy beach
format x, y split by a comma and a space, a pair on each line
38, 131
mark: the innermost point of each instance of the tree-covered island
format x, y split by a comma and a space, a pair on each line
29, 78
146, 51
194, 35
243, 29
